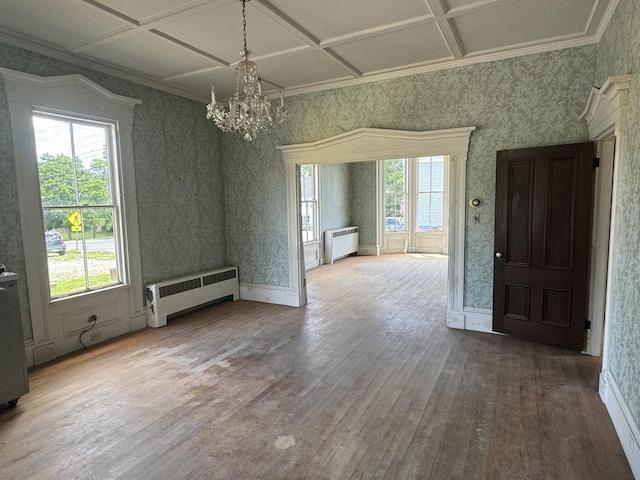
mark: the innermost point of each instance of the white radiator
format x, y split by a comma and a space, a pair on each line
339, 243
183, 293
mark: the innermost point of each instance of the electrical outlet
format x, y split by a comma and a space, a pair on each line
96, 336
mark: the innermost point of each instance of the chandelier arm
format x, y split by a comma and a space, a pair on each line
249, 110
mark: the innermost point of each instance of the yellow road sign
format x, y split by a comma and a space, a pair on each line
76, 228
75, 220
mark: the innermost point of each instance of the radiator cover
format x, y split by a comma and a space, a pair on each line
184, 293
339, 243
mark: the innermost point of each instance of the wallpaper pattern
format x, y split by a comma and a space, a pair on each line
336, 198
178, 178
520, 102
11, 249
363, 180
617, 55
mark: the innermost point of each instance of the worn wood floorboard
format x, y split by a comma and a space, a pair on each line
365, 381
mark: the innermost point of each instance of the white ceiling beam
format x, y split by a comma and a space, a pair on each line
447, 30
314, 43
375, 31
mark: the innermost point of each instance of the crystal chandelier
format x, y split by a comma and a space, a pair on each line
249, 110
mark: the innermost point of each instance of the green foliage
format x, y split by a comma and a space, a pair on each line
395, 187
64, 182
306, 170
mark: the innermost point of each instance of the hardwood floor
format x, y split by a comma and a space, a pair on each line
366, 381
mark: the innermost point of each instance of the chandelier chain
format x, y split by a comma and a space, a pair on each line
249, 110
244, 25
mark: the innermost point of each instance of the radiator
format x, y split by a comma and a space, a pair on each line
339, 243
184, 293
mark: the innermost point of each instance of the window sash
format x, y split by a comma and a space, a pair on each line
84, 200
309, 203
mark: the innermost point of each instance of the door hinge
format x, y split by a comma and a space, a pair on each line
596, 162
587, 325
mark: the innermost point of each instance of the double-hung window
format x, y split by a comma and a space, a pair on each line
395, 179
79, 195
430, 194
309, 202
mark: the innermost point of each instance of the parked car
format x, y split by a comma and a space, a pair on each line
55, 244
394, 224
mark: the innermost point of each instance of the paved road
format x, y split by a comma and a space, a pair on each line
94, 245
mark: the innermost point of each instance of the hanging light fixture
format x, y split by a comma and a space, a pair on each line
249, 110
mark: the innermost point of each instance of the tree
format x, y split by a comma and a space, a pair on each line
394, 178
64, 182
93, 189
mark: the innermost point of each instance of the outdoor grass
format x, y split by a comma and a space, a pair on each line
63, 286
76, 255
68, 285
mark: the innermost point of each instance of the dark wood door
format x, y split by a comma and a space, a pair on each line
542, 238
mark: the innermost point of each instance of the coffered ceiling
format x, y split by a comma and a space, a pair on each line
183, 46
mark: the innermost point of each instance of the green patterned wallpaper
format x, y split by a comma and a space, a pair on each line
363, 180
336, 197
520, 102
178, 178
618, 55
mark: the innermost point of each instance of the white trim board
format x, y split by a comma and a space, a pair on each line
479, 320
79, 97
373, 144
623, 421
606, 116
269, 294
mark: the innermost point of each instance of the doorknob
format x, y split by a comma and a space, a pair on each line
498, 255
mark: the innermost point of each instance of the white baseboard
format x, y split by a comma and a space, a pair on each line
138, 322
369, 250
455, 320
28, 353
269, 294
623, 421
478, 320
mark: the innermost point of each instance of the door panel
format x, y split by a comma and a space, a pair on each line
543, 220
520, 213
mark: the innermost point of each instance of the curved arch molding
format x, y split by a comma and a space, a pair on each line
367, 144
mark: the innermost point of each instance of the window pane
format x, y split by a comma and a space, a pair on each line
395, 188
59, 251
436, 218
307, 183
394, 176
430, 197
394, 213
80, 242
437, 174
424, 175
100, 247
308, 202
92, 167
55, 168
424, 207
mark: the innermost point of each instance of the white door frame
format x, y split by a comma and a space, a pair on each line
606, 115
368, 144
